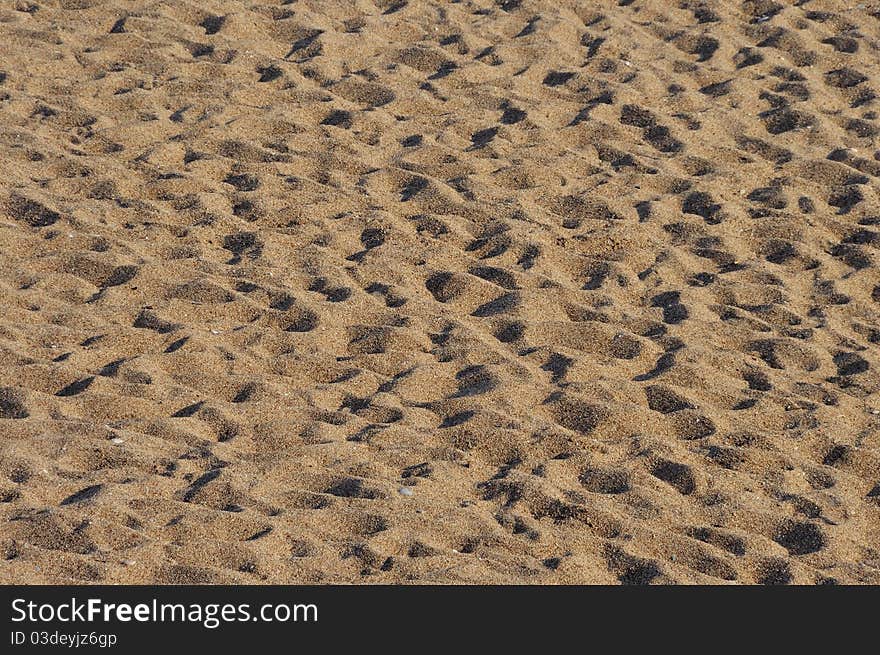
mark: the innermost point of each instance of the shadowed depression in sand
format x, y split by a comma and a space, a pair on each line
388, 291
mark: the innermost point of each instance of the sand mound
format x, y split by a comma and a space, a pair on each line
480, 291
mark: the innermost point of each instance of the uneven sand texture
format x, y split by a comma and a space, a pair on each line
486, 292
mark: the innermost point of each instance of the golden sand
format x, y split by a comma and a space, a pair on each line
449, 292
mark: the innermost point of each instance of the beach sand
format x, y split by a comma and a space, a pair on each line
439, 292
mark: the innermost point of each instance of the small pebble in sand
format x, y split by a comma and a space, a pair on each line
405, 491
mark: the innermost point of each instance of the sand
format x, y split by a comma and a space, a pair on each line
439, 292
